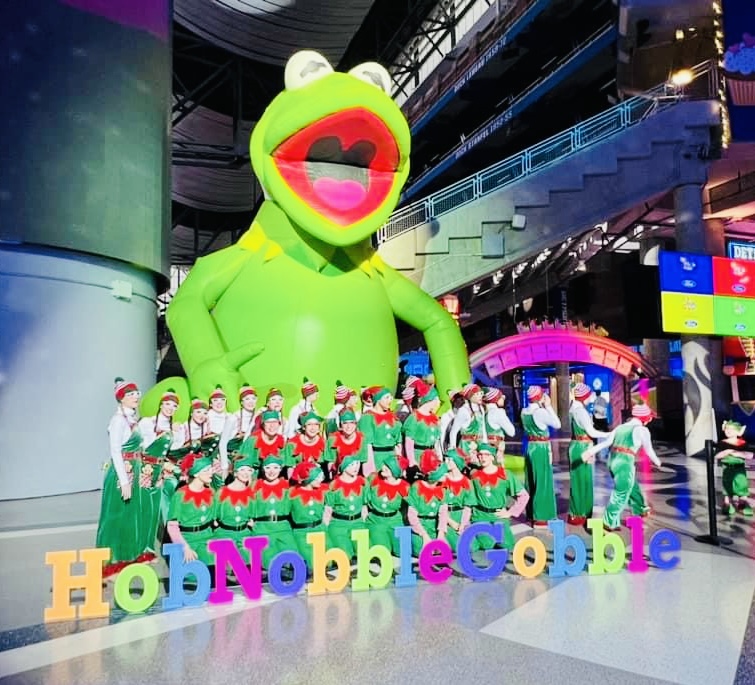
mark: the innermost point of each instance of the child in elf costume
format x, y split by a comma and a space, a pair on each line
265, 442
427, 512
272, 510
307, 506
734, 479
494, 491
345, 508
346, 442
308, 444
422, 427
385, 497
192, 511
233, 506
460, 497
381, 429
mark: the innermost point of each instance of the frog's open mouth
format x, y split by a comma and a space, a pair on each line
343, 165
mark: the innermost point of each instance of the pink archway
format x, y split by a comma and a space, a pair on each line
558, 345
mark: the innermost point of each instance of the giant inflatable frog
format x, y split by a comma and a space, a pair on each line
302, 293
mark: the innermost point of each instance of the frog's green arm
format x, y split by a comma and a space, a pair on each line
442, 335
188, 314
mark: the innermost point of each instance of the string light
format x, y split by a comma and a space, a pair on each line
718, 40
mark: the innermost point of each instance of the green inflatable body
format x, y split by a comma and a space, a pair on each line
302, 293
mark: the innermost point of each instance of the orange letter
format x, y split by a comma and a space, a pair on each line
90, 581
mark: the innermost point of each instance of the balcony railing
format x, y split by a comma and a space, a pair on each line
704, 85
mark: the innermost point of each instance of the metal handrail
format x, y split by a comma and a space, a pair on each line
585, 134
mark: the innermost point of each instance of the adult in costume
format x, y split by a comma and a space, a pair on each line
497, 422
273, 402
308, 445
422, 428
217, 414
447, 419
309, 393
192, 512
427, 512
494, 491
581, 469
265, 442
385, 497
625, 443
469, 422
201, 440
307, 506
341, 396
332, 154
345, 508
129, 507
734, 481
348, 441
537, 417
381, 430
239, 425
460, 497
234, 509
272, 510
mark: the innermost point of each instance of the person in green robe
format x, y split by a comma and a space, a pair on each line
460, 497
192, 512
234, 508
272, 510
499, 498
345, 508
537, 417
427, 512
734, 481
307, 506
469, 422
386, 497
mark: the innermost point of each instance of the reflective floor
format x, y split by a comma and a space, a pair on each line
694, 624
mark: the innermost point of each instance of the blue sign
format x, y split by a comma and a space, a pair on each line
686, 273
739, 250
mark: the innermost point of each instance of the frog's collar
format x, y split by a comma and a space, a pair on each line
362, 256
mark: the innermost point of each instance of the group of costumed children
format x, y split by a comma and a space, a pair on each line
234, 475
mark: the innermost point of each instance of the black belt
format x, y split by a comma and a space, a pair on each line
241, 526
455, 508
490, 511
390, 448
342, 517
310, 524
194, 529
384, 514
272, 518
431, 516
423, 447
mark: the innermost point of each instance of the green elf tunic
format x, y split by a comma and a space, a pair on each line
258, 446
233, 511
734, 476
539, 470
272, 509
426, 499
383, 432
459, 495
166, 474
580, 476
346, 500
125, 525
626, 490
424, 430
338, 449
307, 506
195, 512
298, 451
384, 504
205, 444
493, 492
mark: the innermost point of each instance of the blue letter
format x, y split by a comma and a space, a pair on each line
497, 558
177, 599
664, 541
405, 578
559, 568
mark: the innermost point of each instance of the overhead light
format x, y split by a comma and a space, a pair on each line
476, 288
682, 77
679, 34
497, 277
581, 266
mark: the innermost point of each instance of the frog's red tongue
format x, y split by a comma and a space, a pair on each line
340, 195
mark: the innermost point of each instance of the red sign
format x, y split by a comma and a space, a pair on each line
733, 277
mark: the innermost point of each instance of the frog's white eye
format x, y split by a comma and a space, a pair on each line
375, 74
305, 67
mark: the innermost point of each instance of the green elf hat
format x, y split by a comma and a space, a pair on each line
199, 465
429, 396
733, 425
379, 394
347, 415
455, 456
309, 416
484, 447
270, 415
271, 460
396, 465
346, 461
217, 393
247, 460
196, 403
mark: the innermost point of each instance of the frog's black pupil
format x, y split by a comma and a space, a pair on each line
329, 149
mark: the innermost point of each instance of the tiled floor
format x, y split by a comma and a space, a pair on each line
695, 624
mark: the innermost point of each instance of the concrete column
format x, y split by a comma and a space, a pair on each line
703, 386
656, 352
